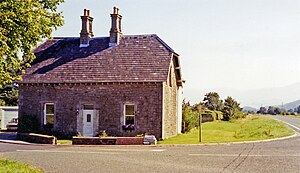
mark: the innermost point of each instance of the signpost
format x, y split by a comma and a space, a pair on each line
200, 127
200, 109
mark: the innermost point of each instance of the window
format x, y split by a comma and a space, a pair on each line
88, 107
129, 114
88, 118
49, 114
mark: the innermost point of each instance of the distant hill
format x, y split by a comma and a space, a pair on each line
291, 105
252, 98
249, 109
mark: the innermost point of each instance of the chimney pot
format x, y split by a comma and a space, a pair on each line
115, 31
87, 29
116, 10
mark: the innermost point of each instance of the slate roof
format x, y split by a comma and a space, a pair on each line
142, 58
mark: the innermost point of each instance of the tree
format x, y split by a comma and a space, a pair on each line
262, 110
297, 109
231, 108
23, 24
199, 107
8, 96
212, 101
271, 110
189, 117
185, 104
279, 111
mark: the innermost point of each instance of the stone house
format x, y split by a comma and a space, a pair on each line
88, 84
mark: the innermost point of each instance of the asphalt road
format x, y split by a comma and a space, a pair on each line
293, 122
273, 156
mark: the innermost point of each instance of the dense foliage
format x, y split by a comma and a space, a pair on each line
23, 24
29, 124
8, 96
231, 109
211, 109
273, 110
212, 101
189, 117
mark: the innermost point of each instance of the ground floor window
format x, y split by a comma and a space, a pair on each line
129, 114
49, 114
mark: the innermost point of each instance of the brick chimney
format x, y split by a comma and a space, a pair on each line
87, 29
115, 31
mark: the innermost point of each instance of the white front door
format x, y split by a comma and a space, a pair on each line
88, 122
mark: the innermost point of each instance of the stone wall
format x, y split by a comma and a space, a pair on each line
170, 105
108, 100
107, 141
37, 138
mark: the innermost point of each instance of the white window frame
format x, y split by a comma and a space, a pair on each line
134, 111
45, 112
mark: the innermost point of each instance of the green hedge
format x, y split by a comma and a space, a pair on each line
215, 115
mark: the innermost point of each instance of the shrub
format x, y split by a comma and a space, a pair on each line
28, 124
239, 115
219, 115
60, 134
208, 117
216, 115
190, 119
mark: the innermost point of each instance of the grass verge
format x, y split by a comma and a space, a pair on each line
8, 166
64, 142
248, 129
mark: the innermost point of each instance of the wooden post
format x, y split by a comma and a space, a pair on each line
200, 127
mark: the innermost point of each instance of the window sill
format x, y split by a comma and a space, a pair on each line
129, 127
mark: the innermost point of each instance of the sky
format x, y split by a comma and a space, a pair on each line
238, 44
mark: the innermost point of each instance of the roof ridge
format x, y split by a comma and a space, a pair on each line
64, 38
149, 35
134, 35
156, 37
162, 42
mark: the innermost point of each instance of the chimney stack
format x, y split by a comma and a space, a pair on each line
115, 31
87, 28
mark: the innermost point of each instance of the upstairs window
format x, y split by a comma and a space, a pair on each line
49, 114
129, 114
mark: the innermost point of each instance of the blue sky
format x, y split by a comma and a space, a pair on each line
241, 44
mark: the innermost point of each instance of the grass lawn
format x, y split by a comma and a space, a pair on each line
8, 166
248, 129
64, 141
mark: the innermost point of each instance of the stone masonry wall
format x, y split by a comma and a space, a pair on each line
108, 100
170, 105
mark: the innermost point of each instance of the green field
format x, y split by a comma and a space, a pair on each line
248, 129
8, 166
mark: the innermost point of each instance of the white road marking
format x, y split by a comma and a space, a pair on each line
132, 150
75, 152
243, 155
109, 151
289, 124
